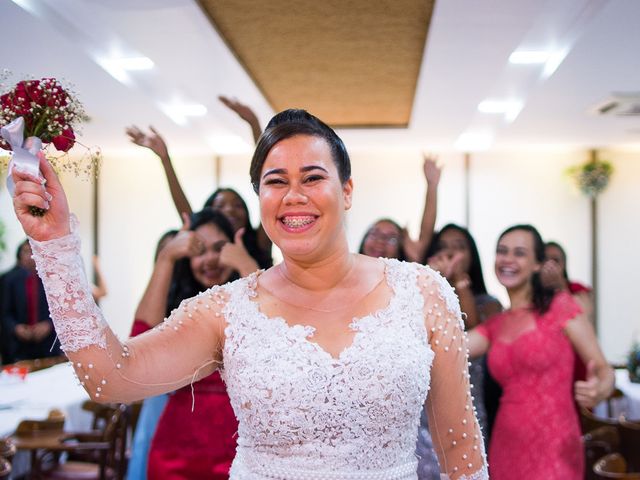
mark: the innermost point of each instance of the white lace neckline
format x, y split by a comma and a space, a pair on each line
303, 333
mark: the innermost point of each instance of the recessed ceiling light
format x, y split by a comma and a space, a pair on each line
179, 112
529, 57
509, 108
474, 141
554, 61
133, 63
118, 68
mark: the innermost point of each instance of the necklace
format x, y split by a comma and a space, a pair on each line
344, 304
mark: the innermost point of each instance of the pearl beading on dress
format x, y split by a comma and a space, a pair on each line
448, 337
109, 371
401, 472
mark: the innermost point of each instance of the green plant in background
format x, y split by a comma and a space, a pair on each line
592, 177
3, 243
633, 363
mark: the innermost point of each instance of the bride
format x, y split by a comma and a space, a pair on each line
328, 356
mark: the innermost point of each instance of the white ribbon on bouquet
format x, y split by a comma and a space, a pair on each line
24, 151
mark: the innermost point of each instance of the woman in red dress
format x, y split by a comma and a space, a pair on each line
530, 348
195, 435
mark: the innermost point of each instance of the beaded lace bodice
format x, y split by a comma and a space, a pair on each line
300, 407
303, 414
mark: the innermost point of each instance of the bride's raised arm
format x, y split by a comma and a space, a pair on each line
184, 348
453, 425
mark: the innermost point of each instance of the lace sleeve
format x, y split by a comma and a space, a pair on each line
452, 421
185, 347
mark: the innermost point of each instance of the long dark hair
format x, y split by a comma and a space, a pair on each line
183, 283
401, 254
542, 296
250, 236
478, 286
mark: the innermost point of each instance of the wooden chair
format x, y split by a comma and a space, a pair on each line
36, 436
5, 468
589, 422
630, 443
7, 449
597, 444
101, 452
613, 466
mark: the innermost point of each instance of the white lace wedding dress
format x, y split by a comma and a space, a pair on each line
303, 414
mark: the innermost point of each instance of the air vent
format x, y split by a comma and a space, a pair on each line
621, 104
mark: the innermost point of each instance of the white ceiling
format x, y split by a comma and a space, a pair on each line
466, 61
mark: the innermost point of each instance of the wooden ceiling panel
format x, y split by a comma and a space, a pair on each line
353, 63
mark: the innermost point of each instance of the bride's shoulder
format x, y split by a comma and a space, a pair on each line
220, 294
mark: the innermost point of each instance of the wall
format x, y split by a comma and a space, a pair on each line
505, 188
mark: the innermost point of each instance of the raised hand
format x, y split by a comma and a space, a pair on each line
552, 275
152, 141
431, 169
185, 244
449, 267
46, 193
235, 255
245, 113
412, 248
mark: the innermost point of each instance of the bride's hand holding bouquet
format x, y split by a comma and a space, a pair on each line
46, 194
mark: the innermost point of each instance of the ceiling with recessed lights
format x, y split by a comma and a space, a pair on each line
352, 63
468, 92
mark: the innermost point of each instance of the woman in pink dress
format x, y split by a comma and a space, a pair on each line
531, 354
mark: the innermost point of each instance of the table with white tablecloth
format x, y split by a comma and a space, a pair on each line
32, 398
629, 405
631, 394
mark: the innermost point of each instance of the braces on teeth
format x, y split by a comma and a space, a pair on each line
297, 222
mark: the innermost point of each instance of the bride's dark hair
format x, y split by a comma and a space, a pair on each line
293, 122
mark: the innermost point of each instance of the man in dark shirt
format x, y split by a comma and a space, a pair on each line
25, 312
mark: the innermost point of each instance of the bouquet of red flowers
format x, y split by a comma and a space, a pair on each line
35, 113
49, 112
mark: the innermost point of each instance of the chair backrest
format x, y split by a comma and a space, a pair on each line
53, 423
103, 447
7, 448
5, 468
590, 422
630, 443
613, 466
598, 443
116, 434
101, 413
